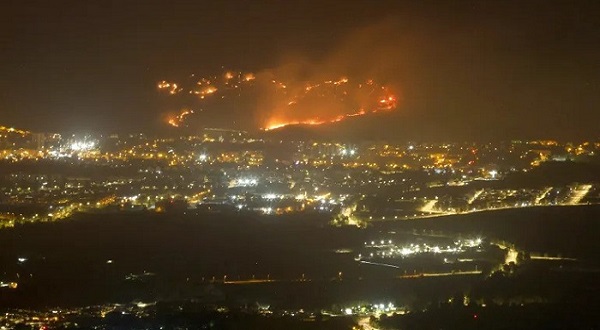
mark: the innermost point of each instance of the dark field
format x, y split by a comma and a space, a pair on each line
177, 257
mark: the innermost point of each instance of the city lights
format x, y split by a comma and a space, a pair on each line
82, 146
361, 165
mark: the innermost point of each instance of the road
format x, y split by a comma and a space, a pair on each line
467, 272
542, 195
475, 196
365, 324
429, 208
580, 192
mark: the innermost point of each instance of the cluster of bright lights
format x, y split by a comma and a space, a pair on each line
131, 198
370, 309
386, 249
11, 285
79, 146
379, 244
13, 130
246, 182
346, 152
470, 242
272, 196
266, 210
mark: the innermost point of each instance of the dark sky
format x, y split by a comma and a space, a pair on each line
465, 70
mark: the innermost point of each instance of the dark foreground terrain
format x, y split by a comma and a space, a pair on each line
300, 264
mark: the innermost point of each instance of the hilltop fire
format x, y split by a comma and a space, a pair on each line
279, 103
385, 104
179, 119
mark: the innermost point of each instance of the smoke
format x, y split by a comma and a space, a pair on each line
356, 77
353, 78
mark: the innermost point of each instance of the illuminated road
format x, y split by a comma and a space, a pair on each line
259, 281
551, 258
365, 323
468, 272
579, 194
429, 208
254, 281
542, 195
436, 215
302, 280
197, 198
475, 196
378, 264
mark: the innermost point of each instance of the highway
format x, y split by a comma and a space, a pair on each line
459, 273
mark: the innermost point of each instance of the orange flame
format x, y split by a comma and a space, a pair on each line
177, 120
387, 104
293, 102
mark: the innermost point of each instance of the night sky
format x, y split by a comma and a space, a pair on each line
466, 70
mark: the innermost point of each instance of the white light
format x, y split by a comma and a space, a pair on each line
22, 260
82, 145
202, 157
246, 182
270, 196
348, 311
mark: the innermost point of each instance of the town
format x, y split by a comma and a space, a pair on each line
48, 177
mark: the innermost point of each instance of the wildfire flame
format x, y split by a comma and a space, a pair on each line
386, 104
179, 119
289, 102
